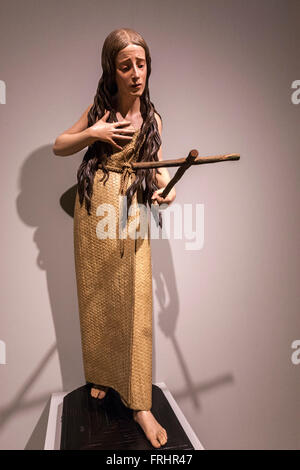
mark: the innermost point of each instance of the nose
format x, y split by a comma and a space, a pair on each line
135, 71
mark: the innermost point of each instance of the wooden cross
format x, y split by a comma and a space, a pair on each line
184, 164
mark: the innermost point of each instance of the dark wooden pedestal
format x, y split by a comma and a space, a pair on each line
88, 423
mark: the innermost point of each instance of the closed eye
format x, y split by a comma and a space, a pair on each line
126, 68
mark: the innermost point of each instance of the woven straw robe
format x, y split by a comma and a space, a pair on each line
114, 288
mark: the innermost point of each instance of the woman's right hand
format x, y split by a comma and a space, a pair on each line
109, 131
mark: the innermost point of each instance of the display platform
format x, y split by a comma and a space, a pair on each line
78, 421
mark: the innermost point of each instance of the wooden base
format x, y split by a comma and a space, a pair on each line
89, 423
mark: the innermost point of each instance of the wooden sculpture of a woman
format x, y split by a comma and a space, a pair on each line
113, 274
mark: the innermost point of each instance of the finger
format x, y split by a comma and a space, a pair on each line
161, 200
122, 137
121, 132
161, 190
114, 144
105, 116
122, 123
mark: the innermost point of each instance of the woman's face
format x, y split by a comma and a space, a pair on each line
131, 69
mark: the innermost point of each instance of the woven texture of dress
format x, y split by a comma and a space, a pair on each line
114, 287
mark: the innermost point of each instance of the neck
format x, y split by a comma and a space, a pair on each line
127, 106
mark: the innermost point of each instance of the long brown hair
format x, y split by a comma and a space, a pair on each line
148, 140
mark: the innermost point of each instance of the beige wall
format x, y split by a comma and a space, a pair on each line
225, 315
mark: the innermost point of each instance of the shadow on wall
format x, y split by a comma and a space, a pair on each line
42, 182
166, 293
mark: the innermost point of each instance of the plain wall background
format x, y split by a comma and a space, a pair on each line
225, 316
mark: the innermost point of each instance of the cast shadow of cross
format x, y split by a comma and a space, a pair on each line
166, 293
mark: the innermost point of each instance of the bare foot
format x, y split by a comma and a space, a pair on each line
98, 392
154, 432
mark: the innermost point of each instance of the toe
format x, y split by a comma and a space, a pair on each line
96, 393
162, 438
155, 443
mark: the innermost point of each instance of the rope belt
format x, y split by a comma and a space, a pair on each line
126, 169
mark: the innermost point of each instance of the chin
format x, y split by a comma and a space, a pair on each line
137, 92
